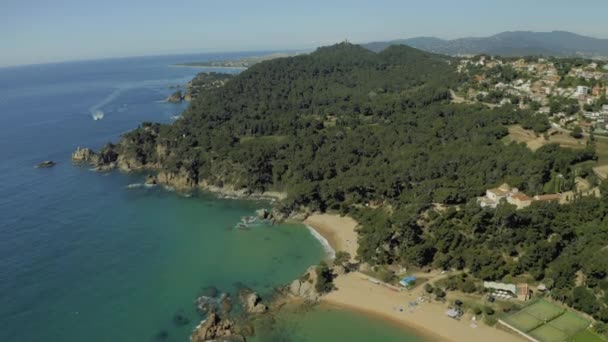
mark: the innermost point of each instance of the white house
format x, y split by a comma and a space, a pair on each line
582, 90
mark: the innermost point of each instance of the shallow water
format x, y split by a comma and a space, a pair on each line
330, 323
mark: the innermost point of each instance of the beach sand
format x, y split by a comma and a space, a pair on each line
355, 292
338, 231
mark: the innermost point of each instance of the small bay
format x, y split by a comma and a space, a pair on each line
86, 256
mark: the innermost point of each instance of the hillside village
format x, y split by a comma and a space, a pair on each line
572, 92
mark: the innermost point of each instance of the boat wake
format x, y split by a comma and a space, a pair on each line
96, 110
97, 115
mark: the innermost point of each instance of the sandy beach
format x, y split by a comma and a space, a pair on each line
356, 292
337, 230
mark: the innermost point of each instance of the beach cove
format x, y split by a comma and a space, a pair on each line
99, 256
356, 291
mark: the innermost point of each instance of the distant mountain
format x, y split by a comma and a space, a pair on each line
516, 43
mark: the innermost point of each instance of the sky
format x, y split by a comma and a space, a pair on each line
40, 31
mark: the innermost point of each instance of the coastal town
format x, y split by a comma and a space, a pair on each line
572, 92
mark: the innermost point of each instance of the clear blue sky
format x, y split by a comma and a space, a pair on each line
36, 31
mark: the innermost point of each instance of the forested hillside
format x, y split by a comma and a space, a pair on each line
345, 125
347, 129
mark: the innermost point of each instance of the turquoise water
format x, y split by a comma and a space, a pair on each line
329, 323
84, 257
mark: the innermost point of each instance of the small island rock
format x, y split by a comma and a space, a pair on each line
46, 164
215, 329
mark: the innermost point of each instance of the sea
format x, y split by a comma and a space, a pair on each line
88, 256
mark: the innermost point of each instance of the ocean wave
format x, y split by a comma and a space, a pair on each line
326, 246
134, 186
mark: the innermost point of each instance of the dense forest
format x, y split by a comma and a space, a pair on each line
376, 135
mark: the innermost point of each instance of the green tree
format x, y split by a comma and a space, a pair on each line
324, 278
577, 132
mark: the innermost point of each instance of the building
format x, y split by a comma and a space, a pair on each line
505, 291
519, 199
597, 91
408, 281
548, 198
494, 196
582, 90
513, 196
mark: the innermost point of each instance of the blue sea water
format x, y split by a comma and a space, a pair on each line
85, 257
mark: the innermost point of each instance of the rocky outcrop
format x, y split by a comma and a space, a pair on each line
180, 181
175, 97
105, 159
151, 180
84, 155
262, 213
216, 329
305, 286
252, 302
46, 164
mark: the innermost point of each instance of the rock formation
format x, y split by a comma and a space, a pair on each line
304, 287
216, 329
252, 302
84, 155
262, 214
175, 97
46, 164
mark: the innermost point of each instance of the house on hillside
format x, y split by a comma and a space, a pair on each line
548, 198
494, 196
507, 193
519, 199
582, 90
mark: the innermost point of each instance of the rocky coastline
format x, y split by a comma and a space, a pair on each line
220, 322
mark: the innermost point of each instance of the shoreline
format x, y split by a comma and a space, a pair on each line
355, 292
206, 67
338, 231
424, 333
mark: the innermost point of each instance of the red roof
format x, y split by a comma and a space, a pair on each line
552, 197
520, 196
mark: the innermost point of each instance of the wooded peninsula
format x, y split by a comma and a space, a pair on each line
377, 136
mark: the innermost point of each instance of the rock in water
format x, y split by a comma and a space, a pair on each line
46, 164
180, 318
305, 286
252, 302
151, 180
262, 214
210, 291
84, 155
215, 329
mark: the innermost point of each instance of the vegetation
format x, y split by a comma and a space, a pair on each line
345, 127
341, 258
324, 278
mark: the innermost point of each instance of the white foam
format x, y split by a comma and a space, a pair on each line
326, 246
97, 115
